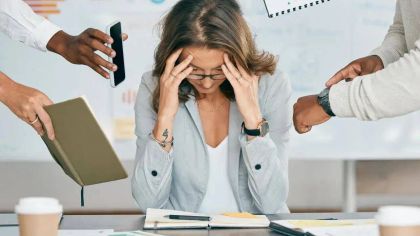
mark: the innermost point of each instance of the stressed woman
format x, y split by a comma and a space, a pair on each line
213, 118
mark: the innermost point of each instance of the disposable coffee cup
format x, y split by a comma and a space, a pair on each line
398, 221
38, 216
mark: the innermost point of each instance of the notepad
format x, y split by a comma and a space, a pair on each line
281, 7
157, 219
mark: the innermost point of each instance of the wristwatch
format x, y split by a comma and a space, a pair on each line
261, 130
324, 101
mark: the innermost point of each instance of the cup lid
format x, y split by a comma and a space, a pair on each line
38, 205
398, 216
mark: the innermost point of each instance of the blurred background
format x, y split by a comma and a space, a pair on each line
344, 162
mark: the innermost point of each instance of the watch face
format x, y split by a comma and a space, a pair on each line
264, 129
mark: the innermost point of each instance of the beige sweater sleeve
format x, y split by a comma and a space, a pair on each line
394, 45
390, 92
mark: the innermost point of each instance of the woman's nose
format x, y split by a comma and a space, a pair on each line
207, 82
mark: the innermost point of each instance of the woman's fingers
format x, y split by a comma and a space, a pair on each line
181, 67
36, 124
231, 67
46, 122
170, 62
243, 73
233, 81
181, 76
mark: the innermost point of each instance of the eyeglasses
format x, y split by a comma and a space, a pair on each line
201, 77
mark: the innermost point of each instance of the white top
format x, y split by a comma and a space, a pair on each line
19, 22
219, 196
394, 90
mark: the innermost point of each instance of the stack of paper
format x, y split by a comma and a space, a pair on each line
363, 227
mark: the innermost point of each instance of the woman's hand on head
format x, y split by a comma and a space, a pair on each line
245, 86
169, 84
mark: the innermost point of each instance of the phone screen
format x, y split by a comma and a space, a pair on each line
115, 33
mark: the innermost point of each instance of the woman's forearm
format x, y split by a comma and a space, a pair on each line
4, 84
163, 132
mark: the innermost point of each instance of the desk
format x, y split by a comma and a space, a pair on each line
135, 222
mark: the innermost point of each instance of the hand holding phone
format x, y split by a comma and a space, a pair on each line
117, 77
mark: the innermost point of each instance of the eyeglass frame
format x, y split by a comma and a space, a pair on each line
206, 76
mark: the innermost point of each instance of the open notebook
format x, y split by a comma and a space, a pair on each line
157, 219
280, 7
358, 227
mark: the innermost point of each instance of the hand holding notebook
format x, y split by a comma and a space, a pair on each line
80, 146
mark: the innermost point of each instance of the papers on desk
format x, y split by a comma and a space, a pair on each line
323, 223
157, 219
364, 227
134, 233
354, 230
102, 232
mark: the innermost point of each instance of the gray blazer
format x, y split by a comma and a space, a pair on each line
258, 170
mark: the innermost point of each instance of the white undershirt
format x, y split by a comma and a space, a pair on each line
219, 196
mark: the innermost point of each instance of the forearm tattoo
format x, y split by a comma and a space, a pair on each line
165, 134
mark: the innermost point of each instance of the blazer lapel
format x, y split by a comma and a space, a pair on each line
235, 121
193, 111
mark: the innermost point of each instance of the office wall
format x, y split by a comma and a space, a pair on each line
314, 186
22, 179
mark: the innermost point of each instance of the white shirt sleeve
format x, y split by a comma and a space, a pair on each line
19, 22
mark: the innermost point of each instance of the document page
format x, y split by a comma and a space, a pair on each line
278, 6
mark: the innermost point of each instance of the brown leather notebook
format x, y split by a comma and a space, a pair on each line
80, 146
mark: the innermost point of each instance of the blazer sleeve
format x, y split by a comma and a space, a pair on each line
266, 157
151, 181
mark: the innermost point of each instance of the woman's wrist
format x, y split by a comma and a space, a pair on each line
163, 129
253, 122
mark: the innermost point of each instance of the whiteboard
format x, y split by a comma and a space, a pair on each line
312, 44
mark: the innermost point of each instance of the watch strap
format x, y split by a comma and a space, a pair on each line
251, 132
324, 101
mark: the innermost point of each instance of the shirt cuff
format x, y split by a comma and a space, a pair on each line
44, 32
339, 98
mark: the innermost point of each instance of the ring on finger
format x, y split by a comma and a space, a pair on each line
34, 121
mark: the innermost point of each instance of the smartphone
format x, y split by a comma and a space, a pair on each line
117, 77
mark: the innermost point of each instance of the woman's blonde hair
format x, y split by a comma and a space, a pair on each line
214, 24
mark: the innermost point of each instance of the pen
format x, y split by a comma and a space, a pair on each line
285, 231
189, 217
